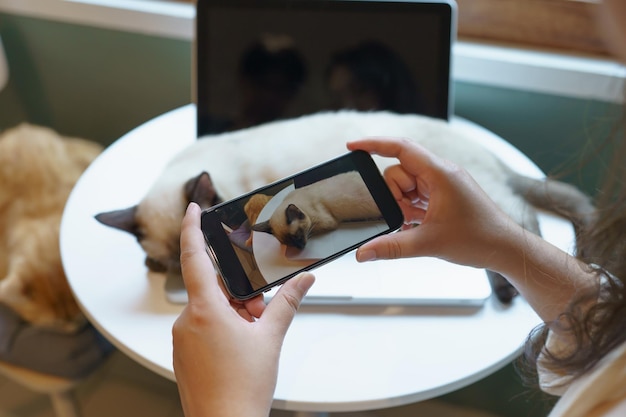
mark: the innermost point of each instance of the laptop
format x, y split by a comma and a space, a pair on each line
402, 282
288, 52
421, 281
290, 58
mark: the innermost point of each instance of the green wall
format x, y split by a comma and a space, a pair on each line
99, 84
561, 135
89, 82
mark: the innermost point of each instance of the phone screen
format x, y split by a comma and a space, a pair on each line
265, 237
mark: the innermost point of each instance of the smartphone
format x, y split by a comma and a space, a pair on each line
265, 237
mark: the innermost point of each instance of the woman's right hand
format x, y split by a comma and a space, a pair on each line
461, 224
458, 221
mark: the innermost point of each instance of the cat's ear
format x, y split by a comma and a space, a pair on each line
292, 212
200, 190
264, 227
123, 219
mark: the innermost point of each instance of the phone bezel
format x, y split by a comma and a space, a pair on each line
223, 254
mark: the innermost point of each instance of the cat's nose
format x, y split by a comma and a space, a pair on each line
297, 243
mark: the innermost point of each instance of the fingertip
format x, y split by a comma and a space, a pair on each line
365, 143
256, 306
197, 270
299, 285
283, 306
354, 145
192, 208
189, 236
305, 281
189, 221
366, 255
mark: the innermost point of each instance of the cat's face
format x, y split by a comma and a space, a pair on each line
156, 228
290, 225
155, 221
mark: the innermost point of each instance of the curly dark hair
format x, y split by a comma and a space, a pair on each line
597, 330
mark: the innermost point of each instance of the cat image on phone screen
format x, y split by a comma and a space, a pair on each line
319, 208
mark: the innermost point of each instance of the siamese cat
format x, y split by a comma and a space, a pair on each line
38, 169
224, 166
320, 208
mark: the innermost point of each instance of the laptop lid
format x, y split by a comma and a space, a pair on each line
258, 61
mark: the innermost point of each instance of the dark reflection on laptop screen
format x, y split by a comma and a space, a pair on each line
262, 63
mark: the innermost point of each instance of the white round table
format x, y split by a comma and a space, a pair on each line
335, 358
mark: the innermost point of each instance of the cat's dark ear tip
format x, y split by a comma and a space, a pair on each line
502, 289
123, 219
292, 212
263, 227
506, 294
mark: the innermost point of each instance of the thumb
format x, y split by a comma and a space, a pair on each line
403, 244
283, 306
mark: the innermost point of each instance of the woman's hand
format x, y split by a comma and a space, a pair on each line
226, 353
461, 224
458, 221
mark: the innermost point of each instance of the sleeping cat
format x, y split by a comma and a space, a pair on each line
319, 208
38, 169
241, 161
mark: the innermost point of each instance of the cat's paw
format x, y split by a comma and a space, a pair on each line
501, 287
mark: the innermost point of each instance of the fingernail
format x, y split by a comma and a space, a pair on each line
366, 255
305, 281
192, 207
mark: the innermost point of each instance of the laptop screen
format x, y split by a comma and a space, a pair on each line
259, 61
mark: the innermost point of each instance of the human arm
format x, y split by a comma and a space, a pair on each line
461, 224
226, 353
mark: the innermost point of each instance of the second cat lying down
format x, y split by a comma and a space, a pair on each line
38, 168
221, 167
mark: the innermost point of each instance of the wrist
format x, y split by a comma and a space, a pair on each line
224, 405
547, 277
514, 249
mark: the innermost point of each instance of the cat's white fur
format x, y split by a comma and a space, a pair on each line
244, 160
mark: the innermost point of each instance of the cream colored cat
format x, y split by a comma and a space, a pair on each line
225, 166
38, 169
319, 208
